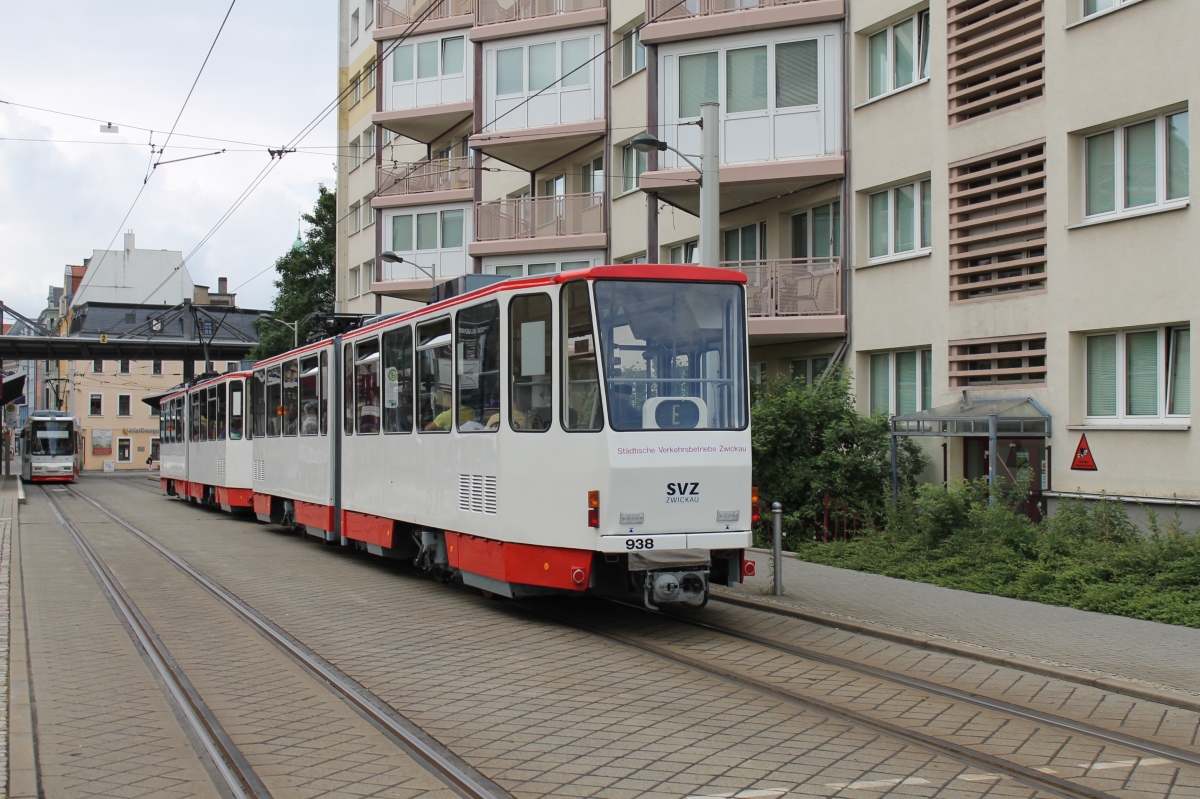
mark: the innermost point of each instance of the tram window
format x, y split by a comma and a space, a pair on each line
397, 381
214, 414
195, 409
291, 394
581, 407
323, 387
529, 389
673, 354
348, 389
310, 395
434, 375
478, 351
235, 410
49, 437
258, 403
366, 386
274, 401
221, 410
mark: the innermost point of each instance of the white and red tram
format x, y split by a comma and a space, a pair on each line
204, 453
586, 431
51, 445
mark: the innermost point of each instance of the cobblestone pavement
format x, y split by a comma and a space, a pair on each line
1075, 643
8, 514
545, 711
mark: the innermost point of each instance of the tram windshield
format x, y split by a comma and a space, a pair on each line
673, 354
50, 437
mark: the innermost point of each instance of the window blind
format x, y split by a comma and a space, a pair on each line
427, 231
452, 229
1181, 371
510, 75
926, 379
926, 213
746, 79
1101, 174
877, 47
796, 74
1177, 156
402, 63
427, 59
906, 382
541, 65
1140, 164
906, 219
697, 82
1141, 363
1093, 6
575, 53
880, 380
1102, 375
878, 211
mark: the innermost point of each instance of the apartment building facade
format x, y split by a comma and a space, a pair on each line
1022, 230
1006, 173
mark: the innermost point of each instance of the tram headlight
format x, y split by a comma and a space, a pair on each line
594, 509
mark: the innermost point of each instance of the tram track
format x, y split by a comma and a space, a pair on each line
1042, 778
237, 776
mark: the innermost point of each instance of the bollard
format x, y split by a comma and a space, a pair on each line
777, 525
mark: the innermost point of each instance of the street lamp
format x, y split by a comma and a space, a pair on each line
392, 258
295, 326
710, 176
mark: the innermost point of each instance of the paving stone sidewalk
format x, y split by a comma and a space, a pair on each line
1161, 660
8, 520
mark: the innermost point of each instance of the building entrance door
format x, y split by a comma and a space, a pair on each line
1020, 465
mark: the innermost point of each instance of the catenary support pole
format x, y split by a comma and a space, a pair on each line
710, 183
992, 424
777, 533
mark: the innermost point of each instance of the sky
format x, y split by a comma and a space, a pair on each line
132, 62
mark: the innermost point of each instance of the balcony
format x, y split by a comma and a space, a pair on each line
540, 224
673, 20
743, 184
529, 16
395, 16
792, 299
444, 180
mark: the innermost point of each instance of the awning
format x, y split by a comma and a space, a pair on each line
13, 387
1014, 417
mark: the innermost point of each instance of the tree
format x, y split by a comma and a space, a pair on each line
306, 284
809, 439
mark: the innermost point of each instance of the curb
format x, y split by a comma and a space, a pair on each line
1107, 682
20, 492
22, 748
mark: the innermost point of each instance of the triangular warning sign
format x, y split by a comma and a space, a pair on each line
1084, 462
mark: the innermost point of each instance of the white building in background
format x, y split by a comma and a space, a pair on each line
148, 277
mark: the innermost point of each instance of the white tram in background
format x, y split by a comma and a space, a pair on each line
51, 444
586, 431
204, 454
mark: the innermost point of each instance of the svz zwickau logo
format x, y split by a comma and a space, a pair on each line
683, 492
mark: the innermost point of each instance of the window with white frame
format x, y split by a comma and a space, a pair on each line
354, 26
368, 144
124, 404
1139, 376
758, 371
746, 243
543, 268
900, 220
368, 213
901, 381
354, 218
547, 62
124, 450
432, 231
369, 76
1137, 166
684, 253
368, 14
357, 87
355, 154
593, 176
431, 59
1091, 7
633, 54
898, 56
633, 164
352, 282
123, 367
817, 232
792, 68
95, 405
97, 367
366, 275
634, 259
808, 370
156, 367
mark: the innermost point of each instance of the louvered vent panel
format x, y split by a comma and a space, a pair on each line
220, 468
260, 471
998, 224
999, 361
995, 52
477, 493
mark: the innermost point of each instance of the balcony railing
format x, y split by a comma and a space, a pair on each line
662, 10
535, 217
792, 286
404, 12
443, 174
488, 12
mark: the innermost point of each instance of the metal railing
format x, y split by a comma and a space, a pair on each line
662, 10
535, 217
403, 12
442, 174
489, 12
792, 286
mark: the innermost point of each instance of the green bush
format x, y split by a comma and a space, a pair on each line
809, 439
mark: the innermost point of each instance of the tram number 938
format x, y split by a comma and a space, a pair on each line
639, 543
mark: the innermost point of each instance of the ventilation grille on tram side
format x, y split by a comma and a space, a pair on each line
477, 493
220, 468
260, 471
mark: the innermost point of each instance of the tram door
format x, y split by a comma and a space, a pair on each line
1019, 461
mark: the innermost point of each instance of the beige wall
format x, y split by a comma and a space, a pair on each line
1118, 67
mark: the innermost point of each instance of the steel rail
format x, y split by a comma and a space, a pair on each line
981, 760
234, 771
416, 742
1142, 745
